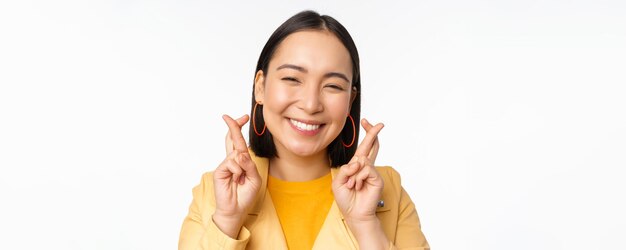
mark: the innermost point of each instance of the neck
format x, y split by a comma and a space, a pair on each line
291, 167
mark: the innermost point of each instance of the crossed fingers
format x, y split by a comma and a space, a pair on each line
369, 146
234, 138
360, 170
237, 161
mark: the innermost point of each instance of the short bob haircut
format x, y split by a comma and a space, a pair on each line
339, 155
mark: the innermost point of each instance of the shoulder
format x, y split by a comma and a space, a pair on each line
203, 192
206, 180
388, 171
390, 176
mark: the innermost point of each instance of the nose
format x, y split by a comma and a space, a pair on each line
310, 100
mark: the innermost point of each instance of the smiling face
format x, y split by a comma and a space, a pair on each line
306, 92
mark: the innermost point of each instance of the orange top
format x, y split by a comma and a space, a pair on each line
301, 207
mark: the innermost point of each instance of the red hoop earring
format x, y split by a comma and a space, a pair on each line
254, 121
353, 133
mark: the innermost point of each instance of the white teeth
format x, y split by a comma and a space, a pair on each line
304, 126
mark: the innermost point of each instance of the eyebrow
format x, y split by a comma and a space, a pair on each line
301, 69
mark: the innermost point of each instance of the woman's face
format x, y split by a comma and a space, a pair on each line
306, 92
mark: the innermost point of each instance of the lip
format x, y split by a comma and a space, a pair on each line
306, 132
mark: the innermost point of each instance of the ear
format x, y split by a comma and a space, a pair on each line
352, 96
259, 87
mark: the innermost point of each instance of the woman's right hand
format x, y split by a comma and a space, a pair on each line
236, 181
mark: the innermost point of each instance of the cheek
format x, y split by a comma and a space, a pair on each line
338, 108
277, 98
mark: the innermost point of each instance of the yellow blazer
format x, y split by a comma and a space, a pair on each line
262, 228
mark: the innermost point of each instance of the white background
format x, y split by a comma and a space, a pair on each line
506, 119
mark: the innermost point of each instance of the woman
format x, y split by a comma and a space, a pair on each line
303, 183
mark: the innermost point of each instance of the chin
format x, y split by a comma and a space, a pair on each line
303, 150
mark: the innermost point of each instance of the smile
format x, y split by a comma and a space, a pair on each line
304, 126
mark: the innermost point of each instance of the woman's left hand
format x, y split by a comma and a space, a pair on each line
358, 186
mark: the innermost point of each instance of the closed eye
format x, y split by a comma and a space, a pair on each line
290, 79
337, 87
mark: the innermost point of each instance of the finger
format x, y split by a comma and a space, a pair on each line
232, 155
366, 145
225, 170
376, 145
248, 166
374, 151
222, 171
361, 177
366, 124
350, 183
346, 171
234, 129
229, 142
242, 120
235, 169
246, 163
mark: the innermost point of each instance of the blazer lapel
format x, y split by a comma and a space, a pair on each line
334, 233
262, 166
262, 219
268, 234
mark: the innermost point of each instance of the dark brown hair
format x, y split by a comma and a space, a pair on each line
263, 145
